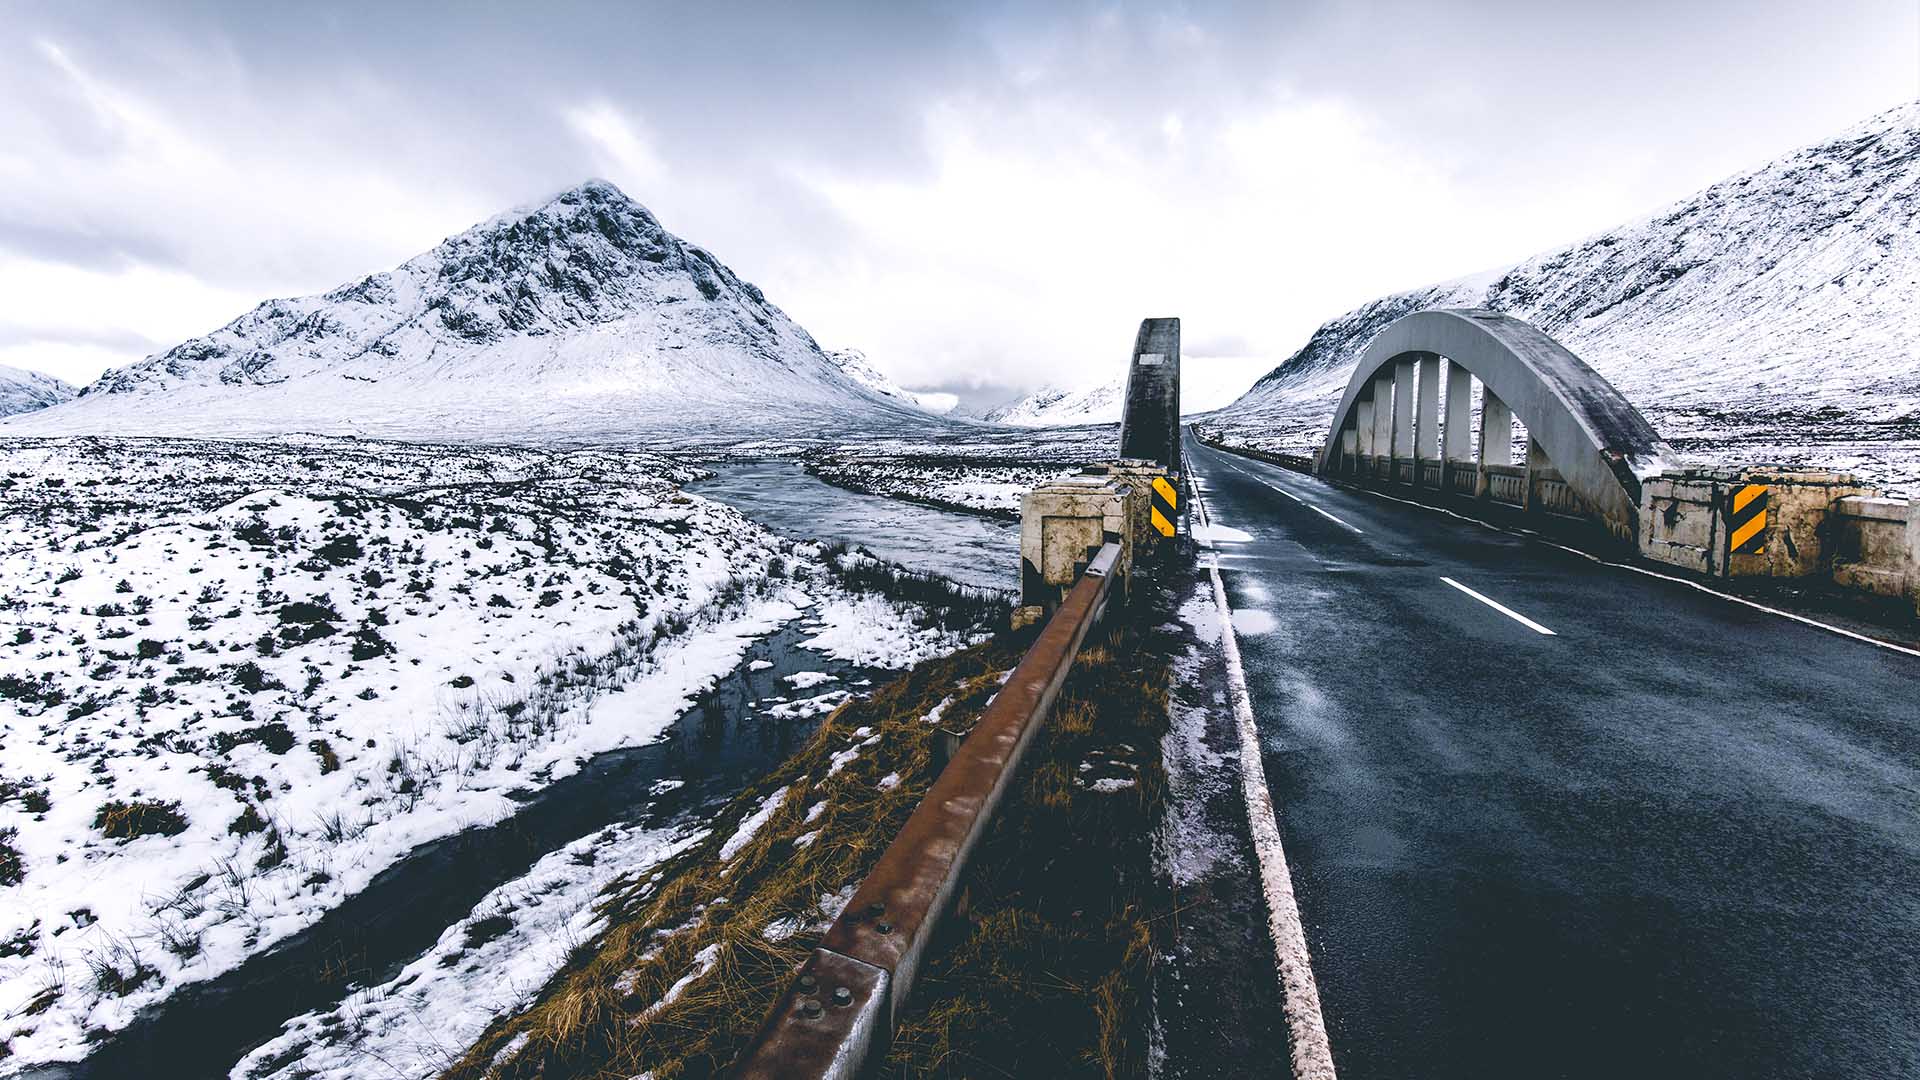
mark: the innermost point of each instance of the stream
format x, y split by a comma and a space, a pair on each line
731, 736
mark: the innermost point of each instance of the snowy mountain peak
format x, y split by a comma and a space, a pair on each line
25, 391
581, 318
857, 367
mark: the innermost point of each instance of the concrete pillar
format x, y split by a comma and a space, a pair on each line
1383, 414
1913, 552
1459, 429
1349, 447
1426, 422
1496, 430
1403, 408
1458, 433
1536, 464
1363, 425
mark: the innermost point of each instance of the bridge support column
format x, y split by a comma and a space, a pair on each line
1382, 421
1363, 433
1349, 449
1403, 370
1536, 466
1496, 437
1459, 427
1426, 420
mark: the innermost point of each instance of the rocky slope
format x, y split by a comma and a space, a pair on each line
25, 391
855, 365
1052, 406
578, 320
1773, 316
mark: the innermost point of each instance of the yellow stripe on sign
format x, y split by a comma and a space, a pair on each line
1746, 495
1749, 530
1166, 490
1160, 522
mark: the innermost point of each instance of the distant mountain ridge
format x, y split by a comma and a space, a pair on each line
1773, 316
1052, 406
855, 365
24, 391
578, 319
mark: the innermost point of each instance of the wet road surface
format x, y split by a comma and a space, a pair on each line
1674, 836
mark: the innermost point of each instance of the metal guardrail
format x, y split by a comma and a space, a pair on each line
838, 1013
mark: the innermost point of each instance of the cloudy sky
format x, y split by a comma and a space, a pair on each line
982, 197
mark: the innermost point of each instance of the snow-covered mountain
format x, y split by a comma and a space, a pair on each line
1773, 316
855, 365
1206, 383
25, 391
581, 319
1052, 406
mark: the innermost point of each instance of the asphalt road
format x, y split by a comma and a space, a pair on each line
1678, 837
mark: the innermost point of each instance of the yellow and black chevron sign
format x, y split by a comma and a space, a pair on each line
1164, 510
1747, 520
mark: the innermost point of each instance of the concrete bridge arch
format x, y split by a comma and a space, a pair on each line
1588, 446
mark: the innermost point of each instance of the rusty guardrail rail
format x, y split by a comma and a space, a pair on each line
838, 1013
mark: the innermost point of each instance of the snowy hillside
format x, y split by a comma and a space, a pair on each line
241, 680
855, 365
24, 391
1206, 383
1773, 317
1051, 406
581, 319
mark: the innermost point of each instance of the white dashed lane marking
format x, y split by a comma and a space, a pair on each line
1501, 608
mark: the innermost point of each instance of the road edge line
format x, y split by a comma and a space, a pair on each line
1311, 1052
1591, 557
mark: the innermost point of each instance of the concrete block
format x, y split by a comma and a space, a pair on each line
1913, 552
1139, 476
1685, 515
1062, 523
1868, 538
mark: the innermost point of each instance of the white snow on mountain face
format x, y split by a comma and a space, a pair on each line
581, 319
25, 391
1052, 406
855, 365
1773, 317
1206, 383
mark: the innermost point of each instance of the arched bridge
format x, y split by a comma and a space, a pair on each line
1587, 446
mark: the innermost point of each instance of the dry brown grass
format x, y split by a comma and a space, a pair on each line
1043, 973
1049, 969
602, 1017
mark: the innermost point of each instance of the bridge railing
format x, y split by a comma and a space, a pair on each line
837, 1014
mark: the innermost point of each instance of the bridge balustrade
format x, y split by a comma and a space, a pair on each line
1587, 447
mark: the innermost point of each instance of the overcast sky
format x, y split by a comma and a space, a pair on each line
979, 196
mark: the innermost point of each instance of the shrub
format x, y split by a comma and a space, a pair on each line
329, 761
340, 550
12, 870
119, 820
248, 823
368, 644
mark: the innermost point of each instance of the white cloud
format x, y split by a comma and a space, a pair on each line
1044, 233
623, 152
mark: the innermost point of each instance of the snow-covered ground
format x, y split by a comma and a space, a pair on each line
1774, 317
237, 680
972, 467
